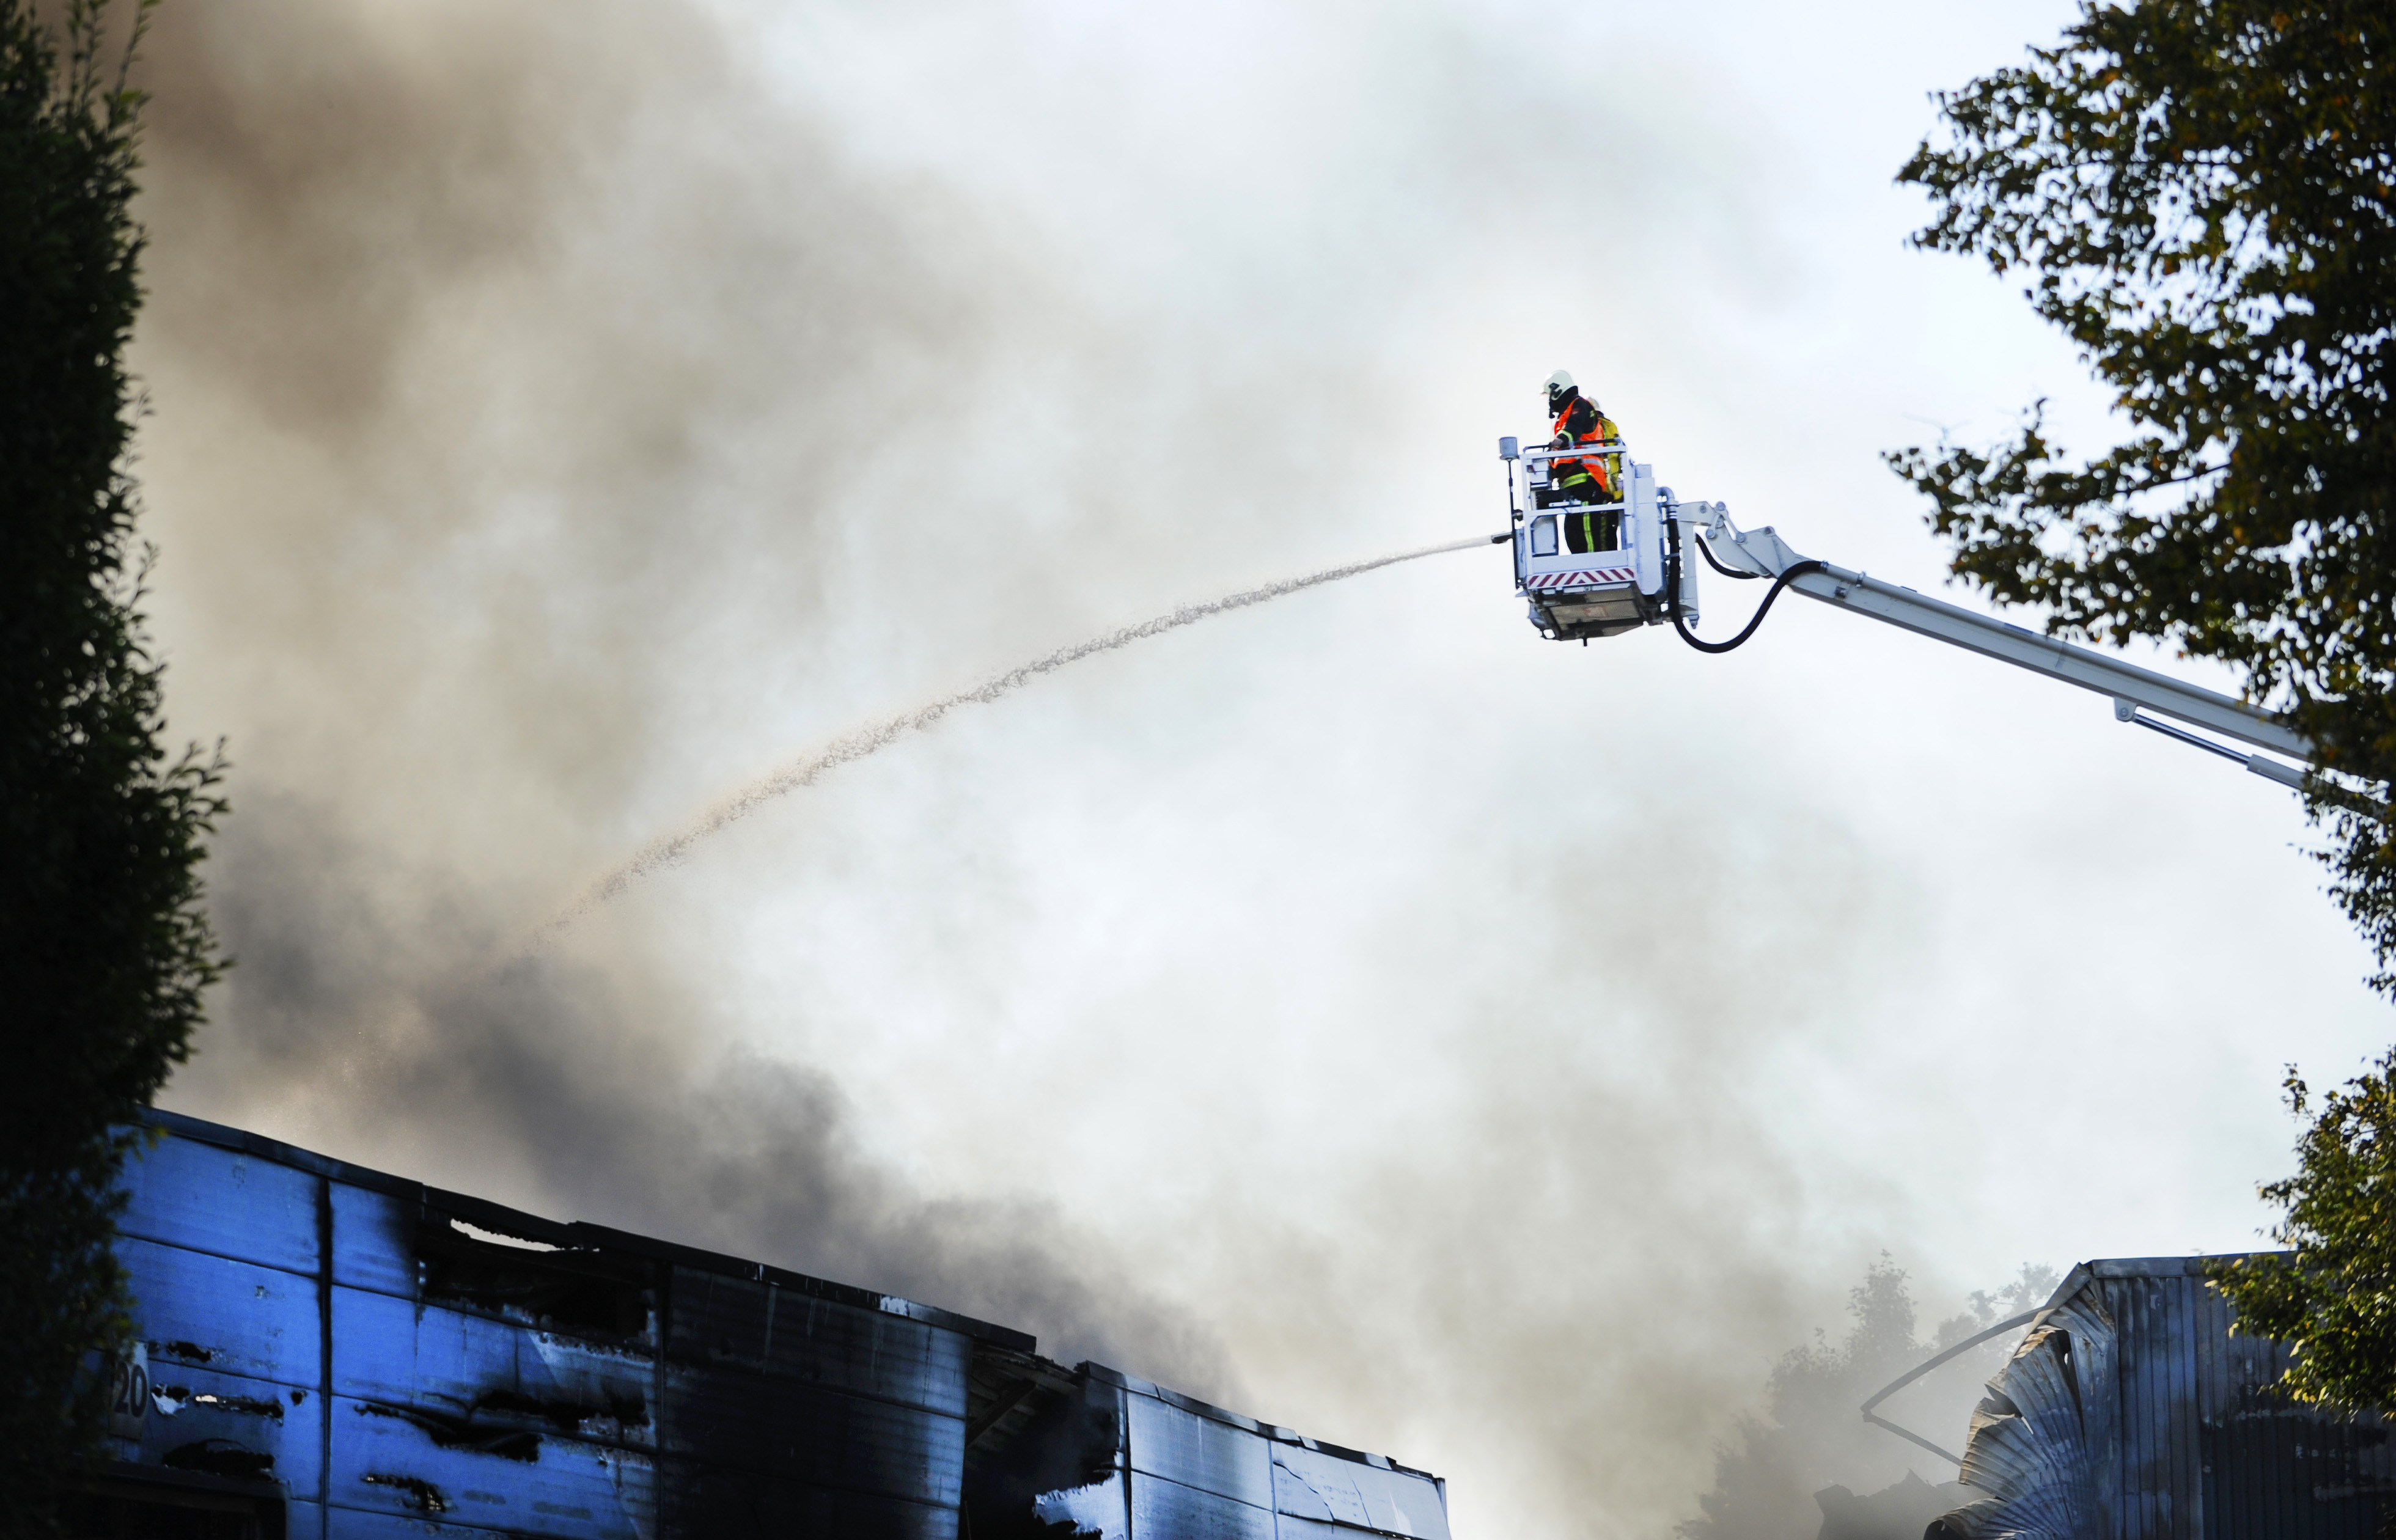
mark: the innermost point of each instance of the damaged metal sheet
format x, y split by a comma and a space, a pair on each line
1045, 1447
1117, 1456
1100, 1510
768, 1383
370, 1357
397, 1460
760, 1327
229, 1425
2041, 1442
274, 1335
1357, 1491
477, 1372
2130, 1411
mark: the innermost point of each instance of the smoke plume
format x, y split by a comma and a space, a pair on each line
446, 307
1356, 1012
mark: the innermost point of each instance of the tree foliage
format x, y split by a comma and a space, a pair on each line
2334, 1295
1812, 1433
104, 951
2201, 195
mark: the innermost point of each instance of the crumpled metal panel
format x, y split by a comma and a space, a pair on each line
1097, 1511
2043, 1442
2131, 1411
2030, 1448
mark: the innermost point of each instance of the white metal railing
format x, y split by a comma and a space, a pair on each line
1578, 451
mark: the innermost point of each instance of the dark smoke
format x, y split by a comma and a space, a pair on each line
454, 310
543, 403
556, 1084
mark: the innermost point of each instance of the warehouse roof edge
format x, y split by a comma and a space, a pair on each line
330, 1350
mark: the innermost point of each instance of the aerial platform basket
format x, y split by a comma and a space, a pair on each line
1591, 568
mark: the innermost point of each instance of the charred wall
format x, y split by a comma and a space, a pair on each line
331, 1351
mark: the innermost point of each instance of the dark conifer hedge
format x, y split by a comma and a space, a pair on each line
104, 950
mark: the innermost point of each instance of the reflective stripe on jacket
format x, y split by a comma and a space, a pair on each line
1581, 423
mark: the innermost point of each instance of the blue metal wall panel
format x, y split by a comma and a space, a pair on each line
2184, 1313
735, 1322
698, 1502
374, 1244
426, 1377
226, 1425
1309, 1483
1199, 1451
223, 1202
1287, 1527
1167, 1510
352, 1524
2210, 1451
385, 1461
234, 1316
782, 1428
1296, 1498
2145, 1508
490, 1373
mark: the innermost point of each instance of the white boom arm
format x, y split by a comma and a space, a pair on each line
1763, 552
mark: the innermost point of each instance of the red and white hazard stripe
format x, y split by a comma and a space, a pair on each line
1547, 581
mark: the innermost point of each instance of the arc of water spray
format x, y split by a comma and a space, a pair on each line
666, 849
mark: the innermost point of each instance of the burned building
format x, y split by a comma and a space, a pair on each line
2131, 1411
330, 1352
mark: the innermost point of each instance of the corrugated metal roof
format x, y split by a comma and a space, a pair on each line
2130, 1411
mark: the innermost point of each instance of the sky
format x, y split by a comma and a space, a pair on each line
1354, 1009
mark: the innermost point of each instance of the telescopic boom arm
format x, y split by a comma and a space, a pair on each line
1762, 553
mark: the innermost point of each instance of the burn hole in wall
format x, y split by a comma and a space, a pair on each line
415, 1491
1032, 1427
567, 1415
580, 1290
462, 1433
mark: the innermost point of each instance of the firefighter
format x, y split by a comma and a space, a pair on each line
1596, 480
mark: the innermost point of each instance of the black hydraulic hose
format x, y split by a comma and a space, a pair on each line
1672, 593
1706, 551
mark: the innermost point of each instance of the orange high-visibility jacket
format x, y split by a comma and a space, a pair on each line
1580, 422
